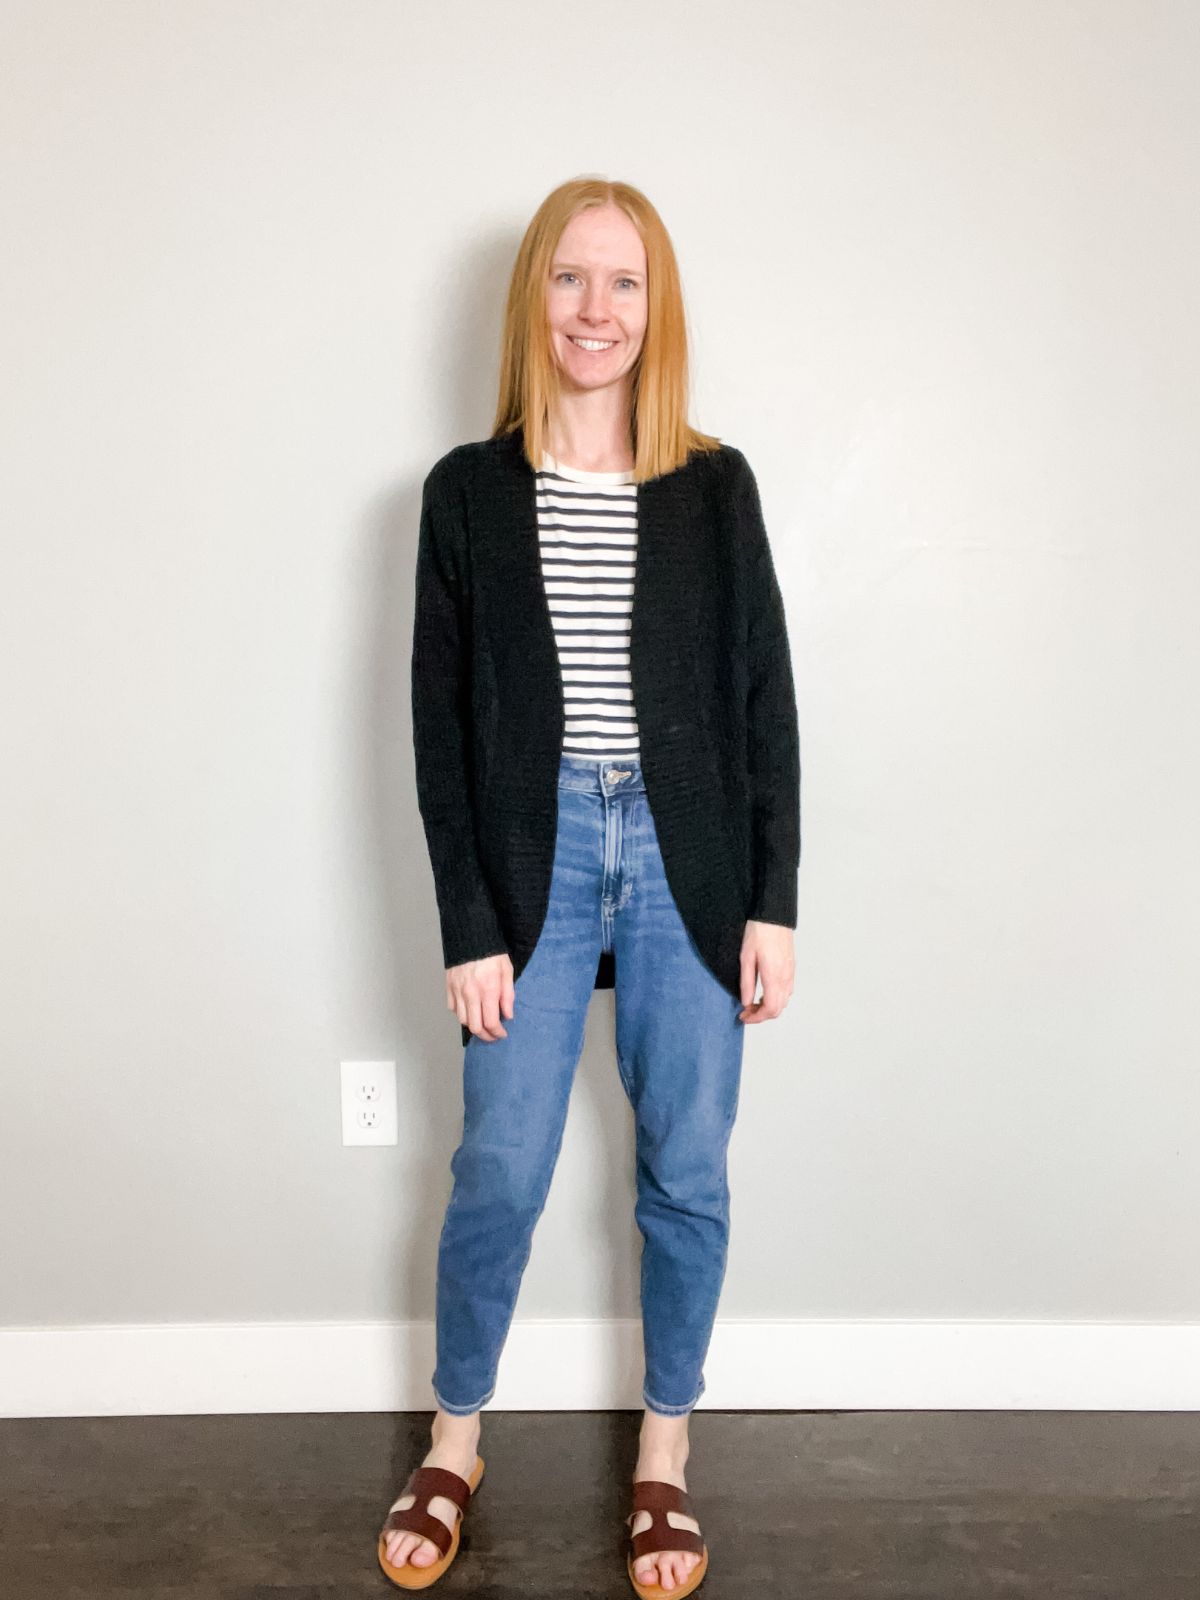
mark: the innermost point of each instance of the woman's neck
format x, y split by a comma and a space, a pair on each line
591, 440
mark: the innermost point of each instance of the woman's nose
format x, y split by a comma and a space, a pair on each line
595, 306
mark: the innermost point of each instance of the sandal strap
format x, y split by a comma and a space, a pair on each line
425, 1482
651, 1494
660, 1535
414, 1520
656, 1497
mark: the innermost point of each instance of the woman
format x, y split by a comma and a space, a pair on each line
607, 767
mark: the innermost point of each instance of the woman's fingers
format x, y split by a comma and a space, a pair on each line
476, 991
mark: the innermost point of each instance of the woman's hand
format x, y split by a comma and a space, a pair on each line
767, 954
477, 991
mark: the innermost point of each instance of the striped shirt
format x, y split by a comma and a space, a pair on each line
587, 535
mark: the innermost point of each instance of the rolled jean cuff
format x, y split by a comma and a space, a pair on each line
463, 1411
670, 1411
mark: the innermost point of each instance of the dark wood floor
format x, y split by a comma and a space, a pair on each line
869, 1504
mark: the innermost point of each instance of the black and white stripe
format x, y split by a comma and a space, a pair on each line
587, 534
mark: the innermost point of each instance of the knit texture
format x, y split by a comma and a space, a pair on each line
713, 693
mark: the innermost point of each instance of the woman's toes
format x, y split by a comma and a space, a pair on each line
671, 1570
409, 1547
412, 1548
657, 1569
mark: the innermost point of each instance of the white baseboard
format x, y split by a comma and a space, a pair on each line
580, 1365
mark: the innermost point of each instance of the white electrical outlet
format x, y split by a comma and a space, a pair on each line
368, 1102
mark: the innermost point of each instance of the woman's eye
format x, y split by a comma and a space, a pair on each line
559, 277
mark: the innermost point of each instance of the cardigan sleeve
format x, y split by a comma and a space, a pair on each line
772, 732
441, 701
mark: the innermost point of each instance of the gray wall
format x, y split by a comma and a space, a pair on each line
940, 262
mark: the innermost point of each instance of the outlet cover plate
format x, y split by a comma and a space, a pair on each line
369, 1102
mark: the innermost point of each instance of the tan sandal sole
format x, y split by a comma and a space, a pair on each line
410, 1577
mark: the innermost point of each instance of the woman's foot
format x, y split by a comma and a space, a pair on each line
662, 1454
455, 1447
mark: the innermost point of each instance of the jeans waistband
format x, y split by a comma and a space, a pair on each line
596, 775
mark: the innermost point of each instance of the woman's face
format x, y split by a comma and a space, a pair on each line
597, 292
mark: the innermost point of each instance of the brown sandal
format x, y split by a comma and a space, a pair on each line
649, 1494
425, 1483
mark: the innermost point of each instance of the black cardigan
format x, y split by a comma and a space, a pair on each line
712, 691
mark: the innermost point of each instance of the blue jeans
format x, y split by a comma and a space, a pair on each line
679, 1055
